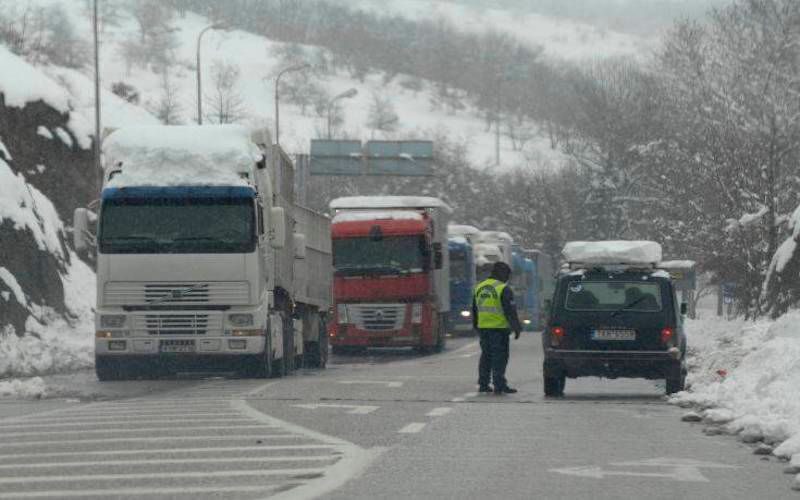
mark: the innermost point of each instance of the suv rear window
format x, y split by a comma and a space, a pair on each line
613, 295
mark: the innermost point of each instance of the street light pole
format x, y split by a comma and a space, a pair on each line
347, 94
97, 125
296, 67
199, 77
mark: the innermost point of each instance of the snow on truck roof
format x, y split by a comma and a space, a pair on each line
366, 202
366, 215
613, 252
180, 155
462, 230
494, 237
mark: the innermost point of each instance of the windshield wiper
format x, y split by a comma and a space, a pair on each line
628, 305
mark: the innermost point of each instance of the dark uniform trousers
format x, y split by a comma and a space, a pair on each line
494, 357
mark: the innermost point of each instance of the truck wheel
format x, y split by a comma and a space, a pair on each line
554, 386
316, 353
441, 340
110, 369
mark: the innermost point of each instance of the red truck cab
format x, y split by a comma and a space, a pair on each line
390, 282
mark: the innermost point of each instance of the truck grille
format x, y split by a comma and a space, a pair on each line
178, 323
377, 317
141, 294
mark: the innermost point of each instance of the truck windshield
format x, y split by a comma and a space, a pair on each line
458, 265
199, 225
388, 255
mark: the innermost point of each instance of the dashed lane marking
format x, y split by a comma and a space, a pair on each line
351, 409
394, 384
412, 428
439, 412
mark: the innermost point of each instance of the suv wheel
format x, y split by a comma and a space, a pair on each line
554, 386
676, 378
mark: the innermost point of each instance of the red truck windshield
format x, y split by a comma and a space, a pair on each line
387, 255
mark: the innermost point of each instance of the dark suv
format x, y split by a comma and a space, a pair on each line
614, 323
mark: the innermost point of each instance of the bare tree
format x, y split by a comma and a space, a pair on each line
225, 102
169, 109
382, 116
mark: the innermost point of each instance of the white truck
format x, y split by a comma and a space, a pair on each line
194, 267
491, 247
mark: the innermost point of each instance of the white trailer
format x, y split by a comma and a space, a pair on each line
189, 239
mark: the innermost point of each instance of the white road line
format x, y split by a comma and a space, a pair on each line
465, 348
439, 412
160, 475
471, 395
106, 416
215, 437
470, 355
458, 400
116, 492
412, 428
116, 423
145, 430
115, 463
166, 451
394, 384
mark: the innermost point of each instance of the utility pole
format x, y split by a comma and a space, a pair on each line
296, 67
347, 94
199, 73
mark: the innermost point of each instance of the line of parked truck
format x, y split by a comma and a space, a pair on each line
206, 259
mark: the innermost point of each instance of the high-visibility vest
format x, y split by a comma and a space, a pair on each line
489, 305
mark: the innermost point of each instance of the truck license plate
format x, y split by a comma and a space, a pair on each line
614, 335
180, 345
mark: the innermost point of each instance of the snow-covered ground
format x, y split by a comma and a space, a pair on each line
745, 378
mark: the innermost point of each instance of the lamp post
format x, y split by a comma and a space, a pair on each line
296, 67
97, 164
347, 94
215, 26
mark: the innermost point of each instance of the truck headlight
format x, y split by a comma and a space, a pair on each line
341, 313
241, 319
466, 314
112, 320
526, 321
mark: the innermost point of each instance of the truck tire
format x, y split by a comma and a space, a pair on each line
441, 339
108, 369
316, 353
676, 378
260, 365
554, 386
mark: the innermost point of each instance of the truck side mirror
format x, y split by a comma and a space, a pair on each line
81, 235
438, 257
277, 225
299, 246
684, 308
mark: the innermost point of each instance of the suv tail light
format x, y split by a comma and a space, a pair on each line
667, 334
556, 335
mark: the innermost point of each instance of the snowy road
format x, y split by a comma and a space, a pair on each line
400, 426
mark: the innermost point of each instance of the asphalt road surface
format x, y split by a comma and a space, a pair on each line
385, 424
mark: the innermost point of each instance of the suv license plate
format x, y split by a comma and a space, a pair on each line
614, 335
177, 346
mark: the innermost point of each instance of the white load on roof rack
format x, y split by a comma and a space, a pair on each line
612, 253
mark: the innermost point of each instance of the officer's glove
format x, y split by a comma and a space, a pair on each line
516, 335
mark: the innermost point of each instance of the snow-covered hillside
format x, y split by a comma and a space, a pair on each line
560, 38
258, 60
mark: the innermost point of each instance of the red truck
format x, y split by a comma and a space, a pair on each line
391, 273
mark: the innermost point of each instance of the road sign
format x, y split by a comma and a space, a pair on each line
336, 157
412, 158
399, 158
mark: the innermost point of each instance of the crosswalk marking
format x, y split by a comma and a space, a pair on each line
413, 428
170, 451
115, 492
115, 463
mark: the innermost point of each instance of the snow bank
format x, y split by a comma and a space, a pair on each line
29, 209
376, 215
52, 343
746, 376
180, 155
22, 83
32, 388
612, 252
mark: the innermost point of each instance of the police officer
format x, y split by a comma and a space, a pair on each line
494, 315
